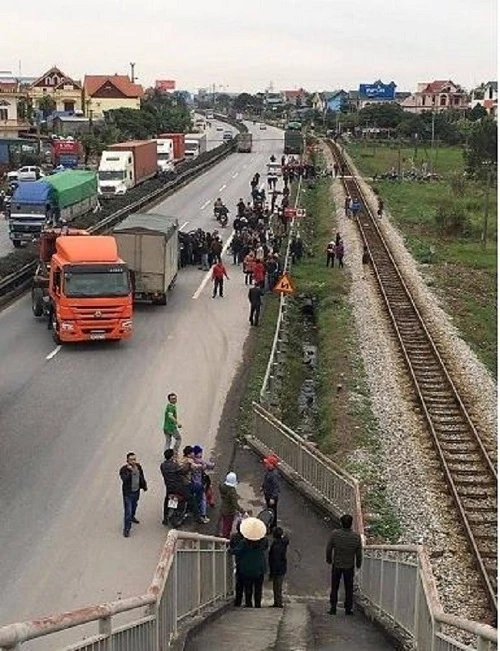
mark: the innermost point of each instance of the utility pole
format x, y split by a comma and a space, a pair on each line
486, 209
132, 75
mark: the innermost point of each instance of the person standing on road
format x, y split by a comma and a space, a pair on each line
278, 565
271, 486
218, 274
344, 550
255, 298
251, 557
347, 206
248, 265
355, 206
133, 481
259, 273
171, 425
229, 507
336, 169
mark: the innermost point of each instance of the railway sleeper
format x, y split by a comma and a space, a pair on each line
474, 507
471, 490
475, 480
463, 469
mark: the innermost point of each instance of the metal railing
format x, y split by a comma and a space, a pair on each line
195, 572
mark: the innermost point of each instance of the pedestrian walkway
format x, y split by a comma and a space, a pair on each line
300, 626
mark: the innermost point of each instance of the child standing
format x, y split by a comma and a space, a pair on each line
278, 565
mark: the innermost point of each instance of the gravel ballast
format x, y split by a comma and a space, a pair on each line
407, 463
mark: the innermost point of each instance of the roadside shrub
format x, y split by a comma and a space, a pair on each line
451, 218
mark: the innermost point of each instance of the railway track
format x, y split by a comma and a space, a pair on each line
468, 467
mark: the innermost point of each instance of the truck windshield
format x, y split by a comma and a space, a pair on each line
104, 282
111, 175
192, 146
28, 209
163, 156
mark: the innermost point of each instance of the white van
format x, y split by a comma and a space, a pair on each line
29, 173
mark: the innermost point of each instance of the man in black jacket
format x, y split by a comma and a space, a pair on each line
255, 298
174, 476
346, 548
133, 480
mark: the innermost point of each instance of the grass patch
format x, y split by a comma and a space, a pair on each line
345, 427
442, 223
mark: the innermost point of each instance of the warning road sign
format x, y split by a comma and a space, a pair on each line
285, 285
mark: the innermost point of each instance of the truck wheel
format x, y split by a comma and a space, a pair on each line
17, 244
161, 300
37, 302
55, 331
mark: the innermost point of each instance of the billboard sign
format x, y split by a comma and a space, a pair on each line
165, 84
378, 90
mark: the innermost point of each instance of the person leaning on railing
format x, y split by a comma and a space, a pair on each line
343, 552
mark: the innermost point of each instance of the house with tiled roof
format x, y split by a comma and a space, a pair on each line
65, 92
333, 101
12, 120
437, 95
295, 96
486, 95
107, 92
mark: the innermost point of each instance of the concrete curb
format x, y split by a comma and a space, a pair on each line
199, 623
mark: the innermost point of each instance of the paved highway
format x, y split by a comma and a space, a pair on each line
214, 139
69, 415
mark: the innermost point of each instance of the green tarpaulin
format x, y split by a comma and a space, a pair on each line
72, 186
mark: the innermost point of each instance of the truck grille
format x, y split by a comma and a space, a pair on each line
108, 189
98, 314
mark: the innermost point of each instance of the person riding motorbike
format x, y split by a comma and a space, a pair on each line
217, 207
174, 476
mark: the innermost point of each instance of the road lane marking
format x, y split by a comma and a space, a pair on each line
208, 275
235, 175
54, 352
205, 204
222, 188
183, 226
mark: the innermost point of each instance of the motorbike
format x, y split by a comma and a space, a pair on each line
177, 510
223, 220
217, 213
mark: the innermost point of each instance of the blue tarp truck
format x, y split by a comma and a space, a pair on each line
50, 201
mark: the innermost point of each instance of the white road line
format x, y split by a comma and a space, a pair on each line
235, 175
54, 352
205, 204
183, 226
222, 188
208, 275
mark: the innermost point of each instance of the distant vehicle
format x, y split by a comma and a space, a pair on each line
196, 144
227, 135
294, 143
124, 165
244, 142
165, 154
29, 173
262, 126
12, 176
209, 115
220, 127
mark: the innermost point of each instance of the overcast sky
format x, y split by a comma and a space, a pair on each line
244, 45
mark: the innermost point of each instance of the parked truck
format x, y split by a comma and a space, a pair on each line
149, 245
179, 141
57, 198
244, 142
65, 153
165, 153
196, 144
82, 287
125, 165
294, 142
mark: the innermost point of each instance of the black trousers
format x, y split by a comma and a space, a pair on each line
278, 590
218, 284
253, 589
238, 589
254, 314
330, 258
337, 574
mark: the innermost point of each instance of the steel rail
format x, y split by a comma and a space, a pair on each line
467, 465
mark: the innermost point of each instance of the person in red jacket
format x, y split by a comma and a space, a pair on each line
218, 273
259, 273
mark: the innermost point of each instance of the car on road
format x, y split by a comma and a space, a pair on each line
227, 135
220, 127
29, 173
262, 126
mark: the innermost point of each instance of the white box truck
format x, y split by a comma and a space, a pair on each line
196, 144
149, 244
165, 151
